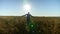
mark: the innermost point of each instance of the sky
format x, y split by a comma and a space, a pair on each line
38, 7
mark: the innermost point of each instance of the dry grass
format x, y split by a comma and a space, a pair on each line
16, 25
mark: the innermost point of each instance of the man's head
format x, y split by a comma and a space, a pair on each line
28, 12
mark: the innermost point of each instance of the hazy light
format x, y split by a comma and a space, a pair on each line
27, 7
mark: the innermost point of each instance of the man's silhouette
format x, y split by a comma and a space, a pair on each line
28, 16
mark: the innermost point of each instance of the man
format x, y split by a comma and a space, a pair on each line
28, 16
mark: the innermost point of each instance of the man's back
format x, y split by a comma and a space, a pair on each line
28, 16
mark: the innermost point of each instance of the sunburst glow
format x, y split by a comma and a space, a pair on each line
27, 7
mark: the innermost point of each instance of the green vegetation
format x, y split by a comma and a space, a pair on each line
17, 25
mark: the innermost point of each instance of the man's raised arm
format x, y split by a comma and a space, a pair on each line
31, 15
24, 15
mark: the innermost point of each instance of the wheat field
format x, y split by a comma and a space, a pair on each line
17, 25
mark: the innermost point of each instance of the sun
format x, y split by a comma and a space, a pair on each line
27, 7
